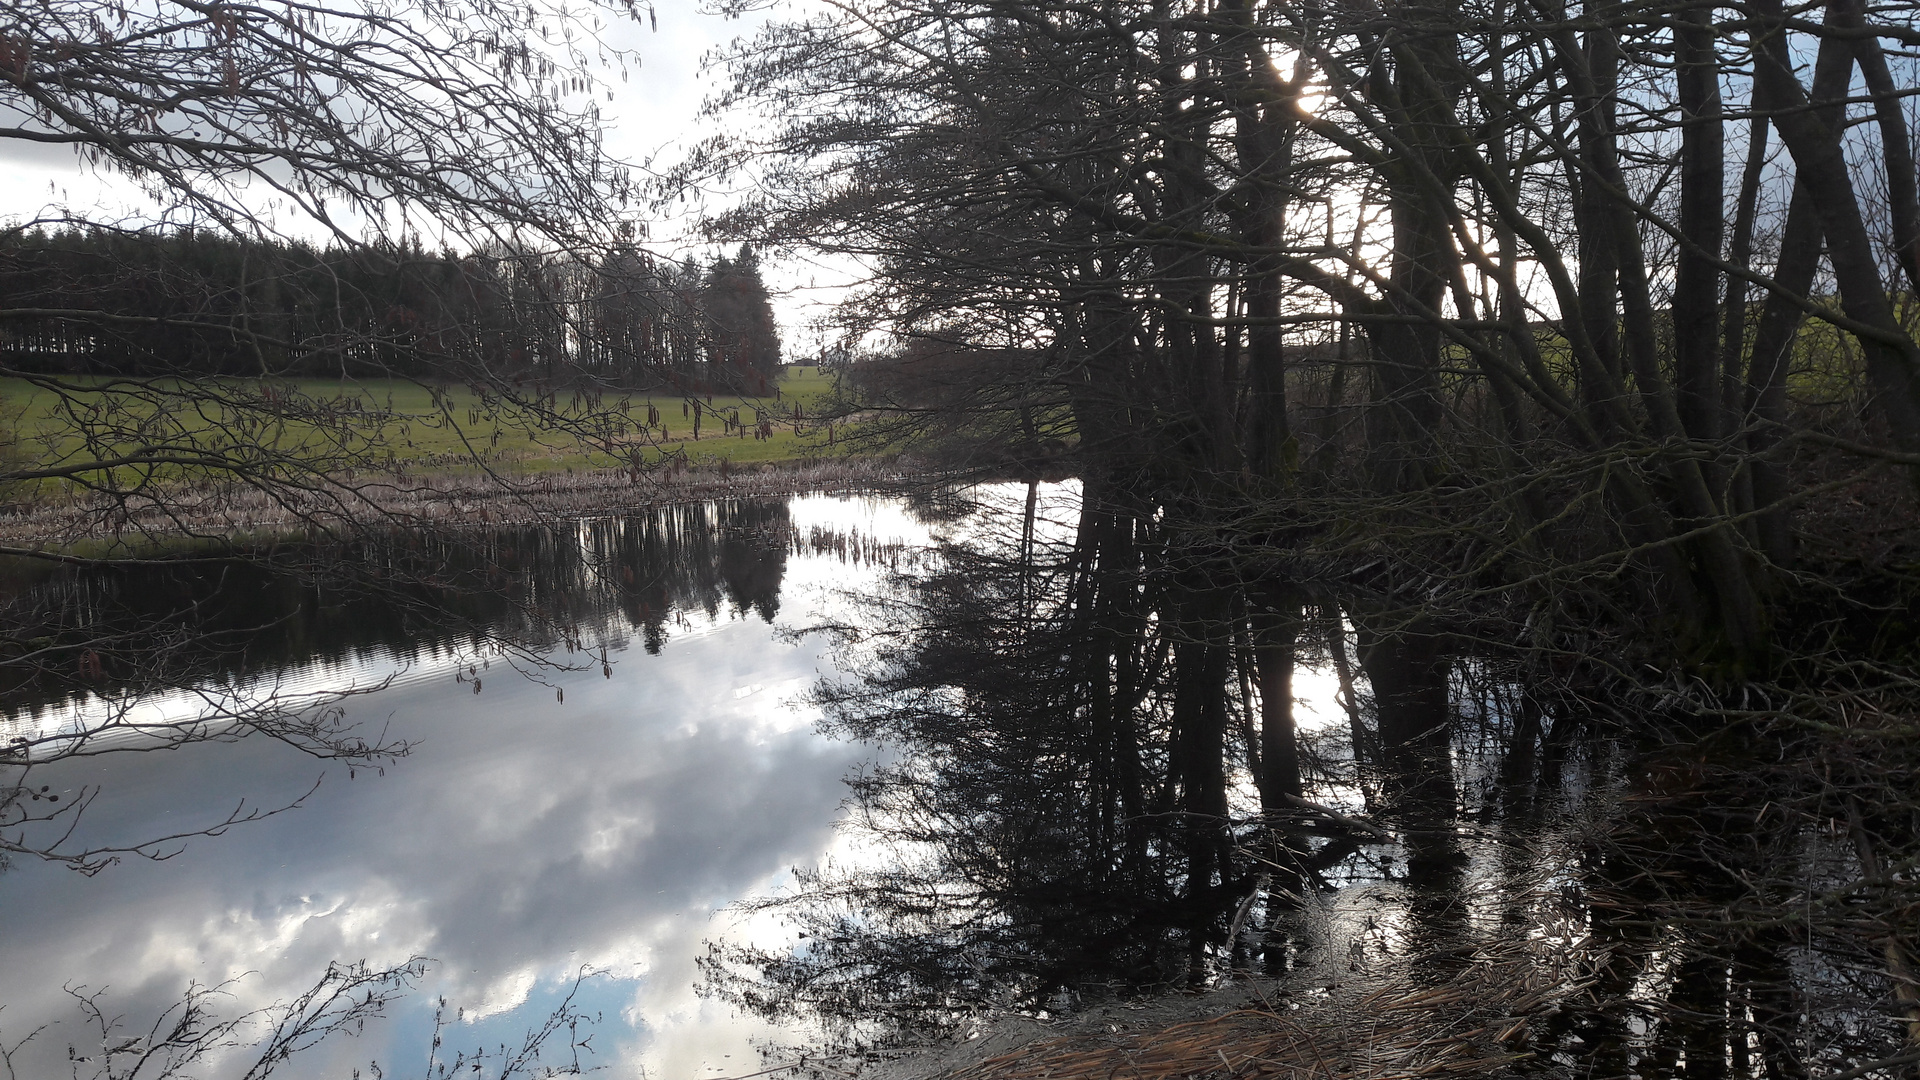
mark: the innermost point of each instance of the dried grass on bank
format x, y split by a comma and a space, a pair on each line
1475, 1024
423, 501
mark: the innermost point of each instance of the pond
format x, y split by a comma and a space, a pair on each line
706, 788
545, 822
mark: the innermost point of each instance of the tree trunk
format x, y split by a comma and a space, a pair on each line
1696, 292
1408, 667
1893, 358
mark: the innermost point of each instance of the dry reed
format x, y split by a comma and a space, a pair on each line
1474, 1024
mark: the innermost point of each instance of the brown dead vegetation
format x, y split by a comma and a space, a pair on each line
1473, 1024
437, 501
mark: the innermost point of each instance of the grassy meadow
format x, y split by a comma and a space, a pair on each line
430, 429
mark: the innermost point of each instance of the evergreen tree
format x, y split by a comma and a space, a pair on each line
745, 341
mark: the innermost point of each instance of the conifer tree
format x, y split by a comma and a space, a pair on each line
745, 339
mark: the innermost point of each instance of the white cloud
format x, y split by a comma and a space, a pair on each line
523, 839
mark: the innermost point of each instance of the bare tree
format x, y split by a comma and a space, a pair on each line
1579, 332
375, 128
192, 1036
375, 189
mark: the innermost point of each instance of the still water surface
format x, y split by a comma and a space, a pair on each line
1023, 773
553, 823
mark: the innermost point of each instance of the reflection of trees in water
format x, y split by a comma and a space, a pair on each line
1099, 787
201, 1029
1071, 717
181, 649
686, 558
171, 621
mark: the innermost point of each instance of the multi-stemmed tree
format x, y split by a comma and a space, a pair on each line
1581, 332
1508, 221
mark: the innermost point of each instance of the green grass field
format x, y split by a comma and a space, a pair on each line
429, 429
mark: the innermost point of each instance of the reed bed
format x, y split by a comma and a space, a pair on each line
1475, 1024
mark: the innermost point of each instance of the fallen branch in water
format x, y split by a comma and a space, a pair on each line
1353, 823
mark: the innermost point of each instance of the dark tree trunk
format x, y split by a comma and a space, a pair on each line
1276, 631
1696, 293
1893, 359
1408, 667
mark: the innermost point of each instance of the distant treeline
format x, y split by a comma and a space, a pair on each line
108, 302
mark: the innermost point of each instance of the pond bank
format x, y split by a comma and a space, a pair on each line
431, 500
1378, 1025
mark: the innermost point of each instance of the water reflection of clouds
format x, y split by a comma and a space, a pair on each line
524, 838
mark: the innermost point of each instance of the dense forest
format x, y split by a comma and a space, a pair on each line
1519, 318
1549, 370
185, 302
1512, 296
